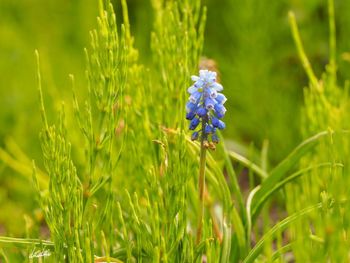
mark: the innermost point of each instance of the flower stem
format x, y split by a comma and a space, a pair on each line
201, 183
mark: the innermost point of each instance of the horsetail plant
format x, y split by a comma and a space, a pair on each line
63, 204
74, 194
205, 107
326, 107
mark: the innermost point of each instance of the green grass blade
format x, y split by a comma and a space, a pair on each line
248, 163
279, 227
282, 250
265, 193
226, 243
233, 178
280, 171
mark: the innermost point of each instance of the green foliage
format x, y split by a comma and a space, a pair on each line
117, 181
326, 107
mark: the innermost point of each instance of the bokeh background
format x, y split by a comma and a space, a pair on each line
249, 40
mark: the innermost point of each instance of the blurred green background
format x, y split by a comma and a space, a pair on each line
250, 41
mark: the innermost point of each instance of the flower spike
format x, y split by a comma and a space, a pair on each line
206, 106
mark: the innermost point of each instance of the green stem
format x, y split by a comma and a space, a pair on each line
305, 61
201, 183
25, 241
332, 42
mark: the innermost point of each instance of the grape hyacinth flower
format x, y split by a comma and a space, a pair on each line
206, 106
204, 110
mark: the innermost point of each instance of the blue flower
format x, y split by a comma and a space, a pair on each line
212, 93
215, 138
190, 106
207, 103
221, 125
220, 110
201, 112
190, 115
220, 98
194, 123
208, 128
218, 123
208, 77
195, 136
215, 121
195, 97
217, 87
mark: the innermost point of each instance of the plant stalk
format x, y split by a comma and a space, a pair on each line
201, 182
